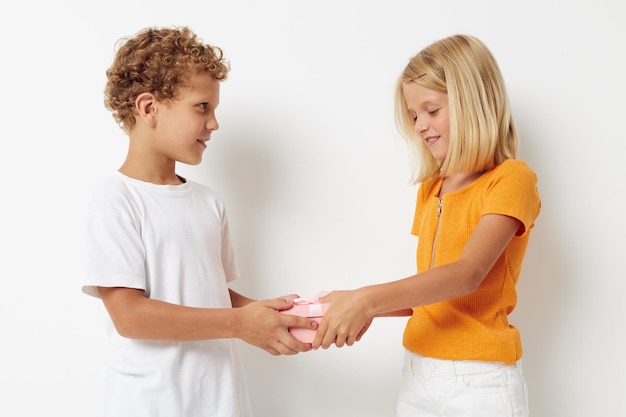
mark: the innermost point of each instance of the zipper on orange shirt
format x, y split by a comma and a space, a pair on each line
439, 207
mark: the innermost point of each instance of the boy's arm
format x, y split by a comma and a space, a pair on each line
256, 322
238, 300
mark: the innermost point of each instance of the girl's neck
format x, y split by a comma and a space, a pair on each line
456, 182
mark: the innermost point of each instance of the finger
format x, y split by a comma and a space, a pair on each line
325, 298
285, 349
339, 341
331, 337
291, 320
282, 303
271, 350
360, 335
292, 346
362, 332
319, 334
291, 296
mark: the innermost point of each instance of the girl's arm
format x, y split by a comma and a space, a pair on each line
350, 310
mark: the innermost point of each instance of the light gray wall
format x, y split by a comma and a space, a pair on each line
315, 179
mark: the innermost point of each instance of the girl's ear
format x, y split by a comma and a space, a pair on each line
145, 104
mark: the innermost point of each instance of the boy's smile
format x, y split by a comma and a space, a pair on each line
185, 125
172, 131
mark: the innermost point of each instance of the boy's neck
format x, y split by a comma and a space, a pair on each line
152, 176
144, 164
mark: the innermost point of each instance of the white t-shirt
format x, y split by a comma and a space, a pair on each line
174, 243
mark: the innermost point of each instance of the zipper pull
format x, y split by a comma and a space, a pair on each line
439, 207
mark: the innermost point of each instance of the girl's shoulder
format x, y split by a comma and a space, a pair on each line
511, 172
514, 167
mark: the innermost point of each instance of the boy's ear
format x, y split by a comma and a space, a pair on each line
145, 104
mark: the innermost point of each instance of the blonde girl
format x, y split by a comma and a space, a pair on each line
476, 205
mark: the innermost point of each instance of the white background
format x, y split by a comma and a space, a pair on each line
315, 179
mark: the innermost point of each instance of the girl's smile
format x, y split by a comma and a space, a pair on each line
429, 109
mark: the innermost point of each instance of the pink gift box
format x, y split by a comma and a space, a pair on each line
307, 307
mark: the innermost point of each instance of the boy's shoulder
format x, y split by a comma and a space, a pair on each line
117, 188
113, 184
110, 193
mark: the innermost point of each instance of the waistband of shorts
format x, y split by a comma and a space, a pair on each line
445, 367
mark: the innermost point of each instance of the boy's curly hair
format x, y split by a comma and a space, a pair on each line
160, 61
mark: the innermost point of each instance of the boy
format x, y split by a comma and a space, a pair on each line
158, 249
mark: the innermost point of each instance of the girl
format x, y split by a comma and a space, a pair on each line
476, 205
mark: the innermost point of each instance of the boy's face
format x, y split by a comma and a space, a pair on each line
429, 109
185, 125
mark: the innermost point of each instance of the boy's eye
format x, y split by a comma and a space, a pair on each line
203, 106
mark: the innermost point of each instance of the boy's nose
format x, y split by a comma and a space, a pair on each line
212, 124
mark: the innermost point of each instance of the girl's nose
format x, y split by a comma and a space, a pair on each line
421, 124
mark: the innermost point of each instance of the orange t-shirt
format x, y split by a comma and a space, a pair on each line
475, 326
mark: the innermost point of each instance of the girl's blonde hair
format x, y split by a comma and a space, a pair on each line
482, 132
160, 61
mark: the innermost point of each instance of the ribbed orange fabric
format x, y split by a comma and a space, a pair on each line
476, 326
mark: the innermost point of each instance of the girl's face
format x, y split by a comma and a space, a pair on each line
429, 109
185, 125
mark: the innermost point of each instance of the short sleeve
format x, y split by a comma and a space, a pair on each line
513, 192
113, 251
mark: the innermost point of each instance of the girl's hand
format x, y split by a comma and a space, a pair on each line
345, 321
364, 329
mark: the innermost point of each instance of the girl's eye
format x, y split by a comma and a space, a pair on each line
203, 106
429, 113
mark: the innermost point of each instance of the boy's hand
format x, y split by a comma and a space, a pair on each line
263, 326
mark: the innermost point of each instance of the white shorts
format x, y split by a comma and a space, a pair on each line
435, 387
